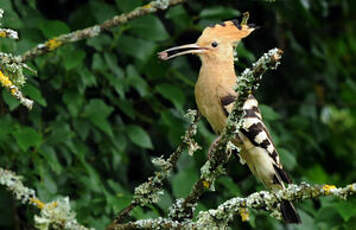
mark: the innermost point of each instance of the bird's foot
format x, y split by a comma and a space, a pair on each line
213, 146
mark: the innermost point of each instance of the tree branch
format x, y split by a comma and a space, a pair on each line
219, 218
93, 31
56, 214
148, 192
11, 74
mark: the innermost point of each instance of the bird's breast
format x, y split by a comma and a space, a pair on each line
209, 104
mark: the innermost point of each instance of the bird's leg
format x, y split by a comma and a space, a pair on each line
213, 146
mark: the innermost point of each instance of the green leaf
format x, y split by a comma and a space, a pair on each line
317, 174
27, 137
287, 158
74, 101
268, 113
139, 136
51, 158
51, 29
127, 5
308, 223
100, 42
125, 106
98, 63
112, 63
82, 128
172, 93
346, 209
61, 132
180, 17
10, 19
184, 180
102, 11
149, 27
136, 47
6, 125
136, 81
34, 94
97, 112
219, 12
116, 82
74, 59
10, 100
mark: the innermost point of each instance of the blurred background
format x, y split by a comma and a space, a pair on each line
105, 106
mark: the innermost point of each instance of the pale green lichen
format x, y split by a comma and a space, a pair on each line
193, 146
161, 163
57, 215
7, 33
12, 70
209, 175
160, 4
53, 215
14, 184
268, 201
151, 191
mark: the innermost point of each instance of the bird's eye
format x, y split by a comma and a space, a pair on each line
214, 44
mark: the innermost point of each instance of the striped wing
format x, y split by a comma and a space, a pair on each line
256, 132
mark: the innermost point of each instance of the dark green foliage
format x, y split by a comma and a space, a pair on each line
105, 106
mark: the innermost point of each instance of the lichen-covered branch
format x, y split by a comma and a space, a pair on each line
269, 201
95, 30
7, 33
53, 215
16, 64
247, 83
149, 192
14, 90
11, 75
157, 223
219, 218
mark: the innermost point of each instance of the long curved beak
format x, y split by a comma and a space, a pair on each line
181, 50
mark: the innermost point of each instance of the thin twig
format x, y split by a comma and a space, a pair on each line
148, 192
14, 90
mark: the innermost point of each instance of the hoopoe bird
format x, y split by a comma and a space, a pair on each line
215, 98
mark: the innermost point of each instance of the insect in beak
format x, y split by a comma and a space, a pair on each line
181, 50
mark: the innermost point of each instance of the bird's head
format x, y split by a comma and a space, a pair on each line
216, 42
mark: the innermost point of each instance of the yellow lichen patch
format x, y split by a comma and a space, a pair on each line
327, 188
38, 203
206, 184
3, 34
353, 188
53, 44
245, 216
53, 205
13, 91
5, 81
147, 6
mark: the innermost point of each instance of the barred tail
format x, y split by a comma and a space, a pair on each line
289, 214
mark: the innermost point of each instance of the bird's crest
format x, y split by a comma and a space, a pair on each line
230, 30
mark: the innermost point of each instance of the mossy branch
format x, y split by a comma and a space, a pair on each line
95, 30
220, 217
53, 215
149, 192
17, 63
